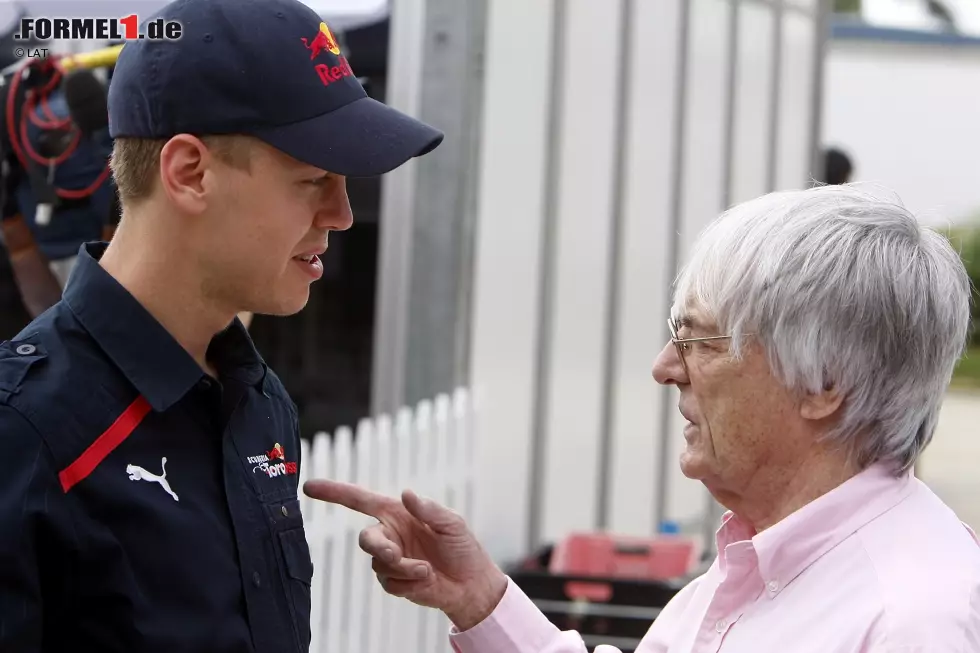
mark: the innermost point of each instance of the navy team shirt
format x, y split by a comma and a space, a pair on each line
145, 507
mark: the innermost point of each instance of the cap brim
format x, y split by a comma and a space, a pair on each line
365, 138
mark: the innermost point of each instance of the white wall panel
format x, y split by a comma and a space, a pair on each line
907, 115
586, 156
809, 5
796, 102
644, 281
703, 179
505, 297
753, 107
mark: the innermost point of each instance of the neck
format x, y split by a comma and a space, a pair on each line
143, 263
773, 495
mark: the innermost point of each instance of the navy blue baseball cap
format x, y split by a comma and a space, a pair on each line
271, 69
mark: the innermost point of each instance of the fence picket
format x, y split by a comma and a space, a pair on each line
405, 624
359, 564
316, 516
380, 606
438, 625
338, 598
465, 450
426, 483
425, 448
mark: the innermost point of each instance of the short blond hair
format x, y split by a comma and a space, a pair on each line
135, 162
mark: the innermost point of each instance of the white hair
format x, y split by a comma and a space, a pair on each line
842, 289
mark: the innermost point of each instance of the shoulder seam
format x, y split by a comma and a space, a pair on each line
43, 441
887, 611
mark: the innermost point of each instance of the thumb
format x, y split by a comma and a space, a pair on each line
440, 519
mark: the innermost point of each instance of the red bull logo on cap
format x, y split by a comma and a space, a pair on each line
324, 41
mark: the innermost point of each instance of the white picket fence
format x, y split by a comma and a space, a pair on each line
427, 449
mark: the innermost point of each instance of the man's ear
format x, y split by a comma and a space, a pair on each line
823, 404
184, 164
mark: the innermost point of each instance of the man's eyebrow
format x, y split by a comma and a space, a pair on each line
693, 323
686, 321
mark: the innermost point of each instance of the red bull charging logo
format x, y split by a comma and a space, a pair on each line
324, 41
273, 463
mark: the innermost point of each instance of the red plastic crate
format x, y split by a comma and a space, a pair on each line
603, 555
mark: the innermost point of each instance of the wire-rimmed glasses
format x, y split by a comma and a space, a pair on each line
683, 344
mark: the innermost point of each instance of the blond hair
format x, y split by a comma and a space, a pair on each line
135, 162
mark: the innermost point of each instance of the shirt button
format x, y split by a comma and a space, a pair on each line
26, 350
720, 626
256, 579
285, 513
773, 586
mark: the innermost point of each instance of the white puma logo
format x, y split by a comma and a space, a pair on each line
137, 473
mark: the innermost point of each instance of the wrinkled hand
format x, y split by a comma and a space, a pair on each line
422, 551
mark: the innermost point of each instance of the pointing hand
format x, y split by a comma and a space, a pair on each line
422, 551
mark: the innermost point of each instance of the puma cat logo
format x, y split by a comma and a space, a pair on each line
137, 473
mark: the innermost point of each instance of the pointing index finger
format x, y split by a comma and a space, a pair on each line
348, 495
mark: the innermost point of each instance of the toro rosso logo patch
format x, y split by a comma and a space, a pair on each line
272, 463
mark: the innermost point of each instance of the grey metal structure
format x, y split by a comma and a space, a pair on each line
422, 326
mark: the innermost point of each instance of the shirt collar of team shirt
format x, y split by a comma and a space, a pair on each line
151, 359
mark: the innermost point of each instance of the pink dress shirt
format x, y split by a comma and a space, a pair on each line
879, 564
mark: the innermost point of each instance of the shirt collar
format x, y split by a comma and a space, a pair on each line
787, 548
151, 359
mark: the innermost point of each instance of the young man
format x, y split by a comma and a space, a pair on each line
149, 499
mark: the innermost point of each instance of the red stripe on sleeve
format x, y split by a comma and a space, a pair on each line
124, 425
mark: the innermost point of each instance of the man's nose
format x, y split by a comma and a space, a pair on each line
335, 214
668, 369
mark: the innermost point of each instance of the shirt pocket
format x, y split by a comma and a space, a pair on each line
295, 562
16, 360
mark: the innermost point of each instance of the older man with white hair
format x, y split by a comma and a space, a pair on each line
813, 336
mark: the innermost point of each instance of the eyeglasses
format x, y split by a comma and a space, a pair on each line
683, 344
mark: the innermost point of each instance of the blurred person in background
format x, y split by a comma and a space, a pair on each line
813, 337
838, 167
15, 311
151, 500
